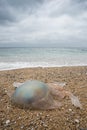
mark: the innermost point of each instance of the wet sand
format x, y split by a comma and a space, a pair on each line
67, 117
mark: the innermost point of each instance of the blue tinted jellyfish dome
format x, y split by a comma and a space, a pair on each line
32, 93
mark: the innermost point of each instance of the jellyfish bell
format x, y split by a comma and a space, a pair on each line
35, 94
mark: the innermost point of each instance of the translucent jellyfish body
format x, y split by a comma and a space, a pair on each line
34, 94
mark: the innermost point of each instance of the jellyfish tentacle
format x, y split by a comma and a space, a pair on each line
62, 93
17, 84
57, 90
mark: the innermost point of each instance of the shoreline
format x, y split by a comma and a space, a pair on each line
61, 66
67, 117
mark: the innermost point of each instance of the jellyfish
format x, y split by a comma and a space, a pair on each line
34, 94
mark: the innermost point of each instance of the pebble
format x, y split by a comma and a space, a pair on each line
7, 122
15, 122
76, 121
37, 115
44, 125
40, 113
22, 127
50, 119
47, 115
19, 117
70, 110
6, 91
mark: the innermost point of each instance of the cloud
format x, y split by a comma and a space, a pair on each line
13, 10
5, 12
38, 22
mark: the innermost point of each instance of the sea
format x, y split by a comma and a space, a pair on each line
29, 57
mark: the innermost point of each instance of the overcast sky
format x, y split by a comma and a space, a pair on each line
43, 23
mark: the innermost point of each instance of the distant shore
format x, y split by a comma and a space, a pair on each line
66, 118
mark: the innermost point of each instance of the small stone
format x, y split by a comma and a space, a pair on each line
67, 119
76, 121
7, 122
47, 115
70, 110
50, 119
44, 125
15, 122
19, 117
22, 127
5, 91
37, 115
40, 113
8, 107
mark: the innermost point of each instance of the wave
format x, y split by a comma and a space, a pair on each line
14, 58
19, 65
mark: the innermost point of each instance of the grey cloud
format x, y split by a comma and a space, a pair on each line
24, 3
6, 13
80, 5
59, 22
11, 10
15, 10
79, 1
6, 16
69, 7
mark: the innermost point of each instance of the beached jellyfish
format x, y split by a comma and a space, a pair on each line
35, 94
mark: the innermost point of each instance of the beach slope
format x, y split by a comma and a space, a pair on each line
67, 117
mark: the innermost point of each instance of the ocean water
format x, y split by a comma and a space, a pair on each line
12, 58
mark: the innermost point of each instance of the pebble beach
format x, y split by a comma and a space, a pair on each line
67, 117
